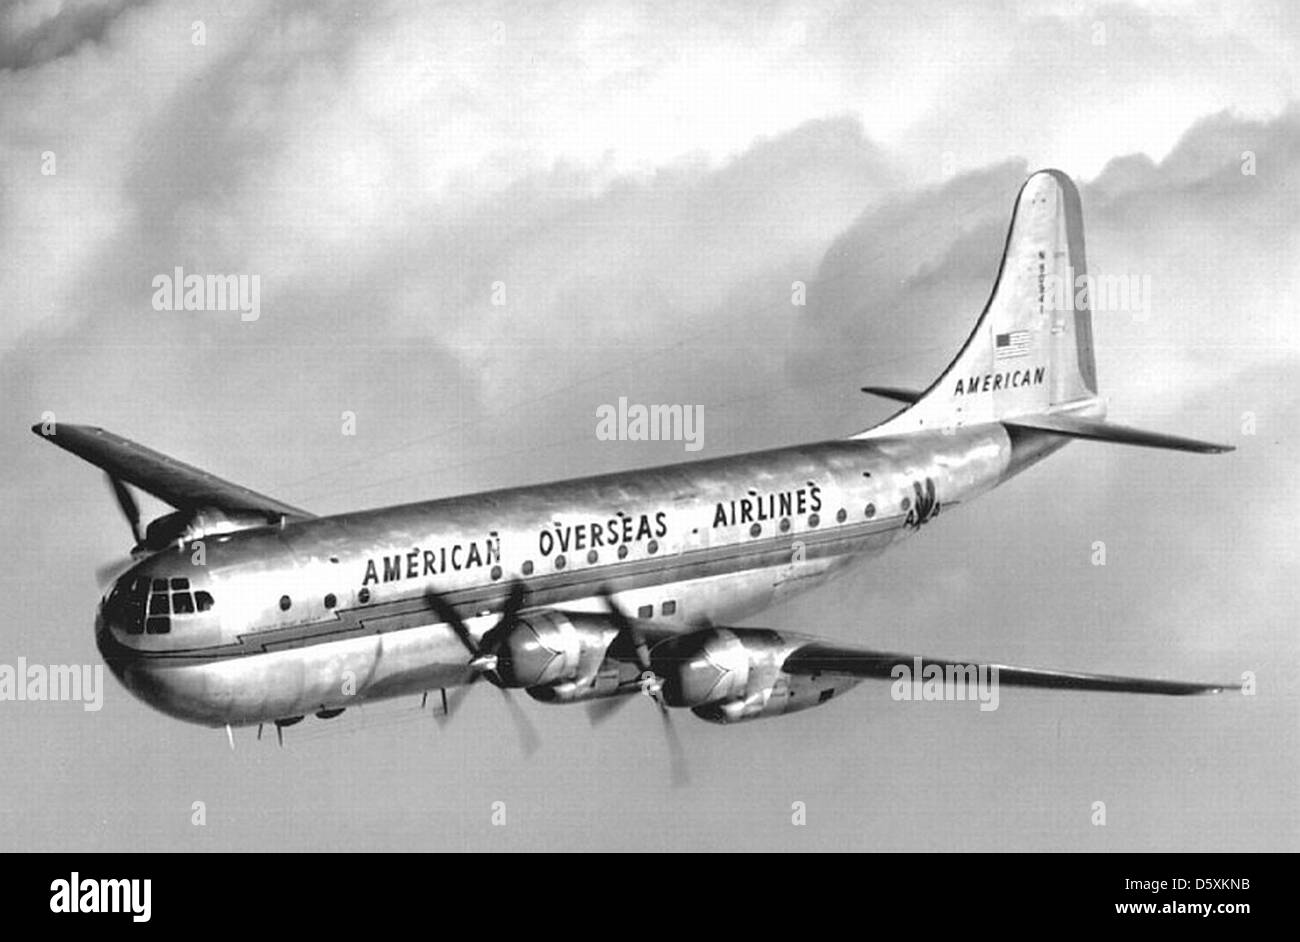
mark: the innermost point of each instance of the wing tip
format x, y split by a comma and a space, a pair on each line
40, 428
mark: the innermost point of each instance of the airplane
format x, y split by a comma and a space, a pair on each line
240, 609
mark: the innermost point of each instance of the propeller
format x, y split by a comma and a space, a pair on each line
485, 657
652, 685
110, 572
130, 509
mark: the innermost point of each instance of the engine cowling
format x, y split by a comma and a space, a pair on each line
728, 675
547, 650
189, 525
712, 665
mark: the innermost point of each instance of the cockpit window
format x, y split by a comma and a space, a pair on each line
161, 599
133, 606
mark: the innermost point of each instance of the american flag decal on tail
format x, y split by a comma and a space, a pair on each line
1012, 345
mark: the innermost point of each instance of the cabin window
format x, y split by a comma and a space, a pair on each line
592, 556
813, 520
841, 516
870, 511
652, 547
670, 607
559, 562
785, 524
906, 503
755, 530
496, 573
645, 611
528, 567
285, 602
330, 600
363, 596
622, 551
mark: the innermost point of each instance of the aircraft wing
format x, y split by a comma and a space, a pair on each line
818, 657
181, 485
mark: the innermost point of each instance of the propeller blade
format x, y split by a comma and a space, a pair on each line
495, 636
453, 700
676, 754
130, 509
627, 627
447, 612
529, 741
514, 603
483, 659
616, 614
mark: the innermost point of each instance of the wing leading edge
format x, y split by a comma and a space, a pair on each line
175, 482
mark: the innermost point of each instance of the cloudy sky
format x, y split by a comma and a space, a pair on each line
645, 182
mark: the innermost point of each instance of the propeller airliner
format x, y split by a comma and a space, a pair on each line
240, 609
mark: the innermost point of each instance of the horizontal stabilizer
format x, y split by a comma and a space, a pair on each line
1073, 426
894, 392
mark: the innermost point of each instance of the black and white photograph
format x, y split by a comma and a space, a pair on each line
688, 427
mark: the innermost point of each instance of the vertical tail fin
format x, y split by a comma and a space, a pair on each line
1031, 350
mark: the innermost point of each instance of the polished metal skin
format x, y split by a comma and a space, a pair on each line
244, 609
248, 660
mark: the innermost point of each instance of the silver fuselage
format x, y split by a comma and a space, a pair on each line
701, 543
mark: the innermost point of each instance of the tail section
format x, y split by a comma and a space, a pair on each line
1031, 350
1029, 361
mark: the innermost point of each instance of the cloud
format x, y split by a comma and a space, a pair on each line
33, 32
647, 183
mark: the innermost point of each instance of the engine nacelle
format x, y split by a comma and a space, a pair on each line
729, 675
549, 649
189, 525
714, 664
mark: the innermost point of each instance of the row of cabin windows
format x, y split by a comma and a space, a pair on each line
179, 600
646, 611
652, 547
593, 557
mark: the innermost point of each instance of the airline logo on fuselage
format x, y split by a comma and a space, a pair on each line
992, 382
